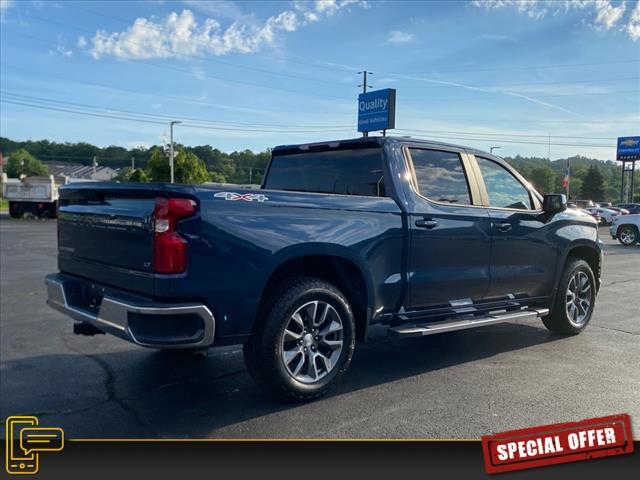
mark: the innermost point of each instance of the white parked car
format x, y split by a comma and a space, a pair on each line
626, 229
606, 215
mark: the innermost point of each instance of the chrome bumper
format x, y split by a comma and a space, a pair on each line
114, 314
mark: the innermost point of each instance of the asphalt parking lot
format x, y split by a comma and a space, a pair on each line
455, 385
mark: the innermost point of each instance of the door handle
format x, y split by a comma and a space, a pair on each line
502, 226
426, 223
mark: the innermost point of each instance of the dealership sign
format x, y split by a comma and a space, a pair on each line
377, 110
628, 149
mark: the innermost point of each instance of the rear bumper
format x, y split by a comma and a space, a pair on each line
135, 319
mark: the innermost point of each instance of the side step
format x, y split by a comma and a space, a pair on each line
453, 325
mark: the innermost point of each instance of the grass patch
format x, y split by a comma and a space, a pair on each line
4, 205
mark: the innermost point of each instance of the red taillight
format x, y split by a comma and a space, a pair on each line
170, 249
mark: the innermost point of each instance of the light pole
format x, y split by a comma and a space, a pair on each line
171, 124
492, 148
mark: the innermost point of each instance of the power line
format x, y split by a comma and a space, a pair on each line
155, 122
501, 140
157, 95
461, 136
161, 116
523, 84
519, 96
327, 127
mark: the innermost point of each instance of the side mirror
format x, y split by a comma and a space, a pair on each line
554, 203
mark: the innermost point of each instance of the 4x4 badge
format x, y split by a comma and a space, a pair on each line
247, 197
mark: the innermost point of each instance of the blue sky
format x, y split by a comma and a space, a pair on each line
242, 75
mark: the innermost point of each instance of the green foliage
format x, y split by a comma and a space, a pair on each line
610, 171
124, 174
138, 175
159, 169
21, 162
188, 168
243, 166
543, 178
217, 177
593, 184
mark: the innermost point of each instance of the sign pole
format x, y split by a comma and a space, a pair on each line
364, 90
622, 183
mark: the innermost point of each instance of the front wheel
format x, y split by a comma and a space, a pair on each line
575, 299
628, 235
306, 342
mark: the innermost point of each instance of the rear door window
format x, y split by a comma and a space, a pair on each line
440, 176
343, 172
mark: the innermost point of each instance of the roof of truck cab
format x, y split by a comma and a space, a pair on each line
370, 141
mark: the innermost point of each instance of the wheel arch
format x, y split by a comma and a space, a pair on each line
335, 267
590, 252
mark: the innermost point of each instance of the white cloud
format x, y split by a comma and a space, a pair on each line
604, 14
398, 38
633, 27
608, 15
181, 34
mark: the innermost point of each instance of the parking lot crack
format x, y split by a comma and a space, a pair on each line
617, 330
109, 385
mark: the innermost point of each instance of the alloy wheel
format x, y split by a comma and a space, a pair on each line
579, 298
312, 341
628, 236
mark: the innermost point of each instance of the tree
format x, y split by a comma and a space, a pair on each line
159, 166
593, 186
124, 174
138, 175
21, 162
188, 168
543, 178
217, 177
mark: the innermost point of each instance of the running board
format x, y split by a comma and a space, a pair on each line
453, 325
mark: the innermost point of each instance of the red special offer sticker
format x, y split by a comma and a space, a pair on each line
559, 443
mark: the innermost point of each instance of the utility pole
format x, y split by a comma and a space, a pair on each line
491, 149
549, 148
364, 86
133, 163
250, 175
95, 164
568, 176
171, 124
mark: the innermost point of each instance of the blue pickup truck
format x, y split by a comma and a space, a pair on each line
422, 237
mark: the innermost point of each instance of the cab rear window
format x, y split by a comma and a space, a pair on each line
343, 172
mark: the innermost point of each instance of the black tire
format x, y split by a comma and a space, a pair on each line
559, 320
630, 235
263, 352
15, 210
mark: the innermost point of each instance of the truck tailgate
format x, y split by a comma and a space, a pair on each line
107, 235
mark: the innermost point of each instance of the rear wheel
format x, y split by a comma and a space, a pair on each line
575, 299
628, 235
306, 342
16, 210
